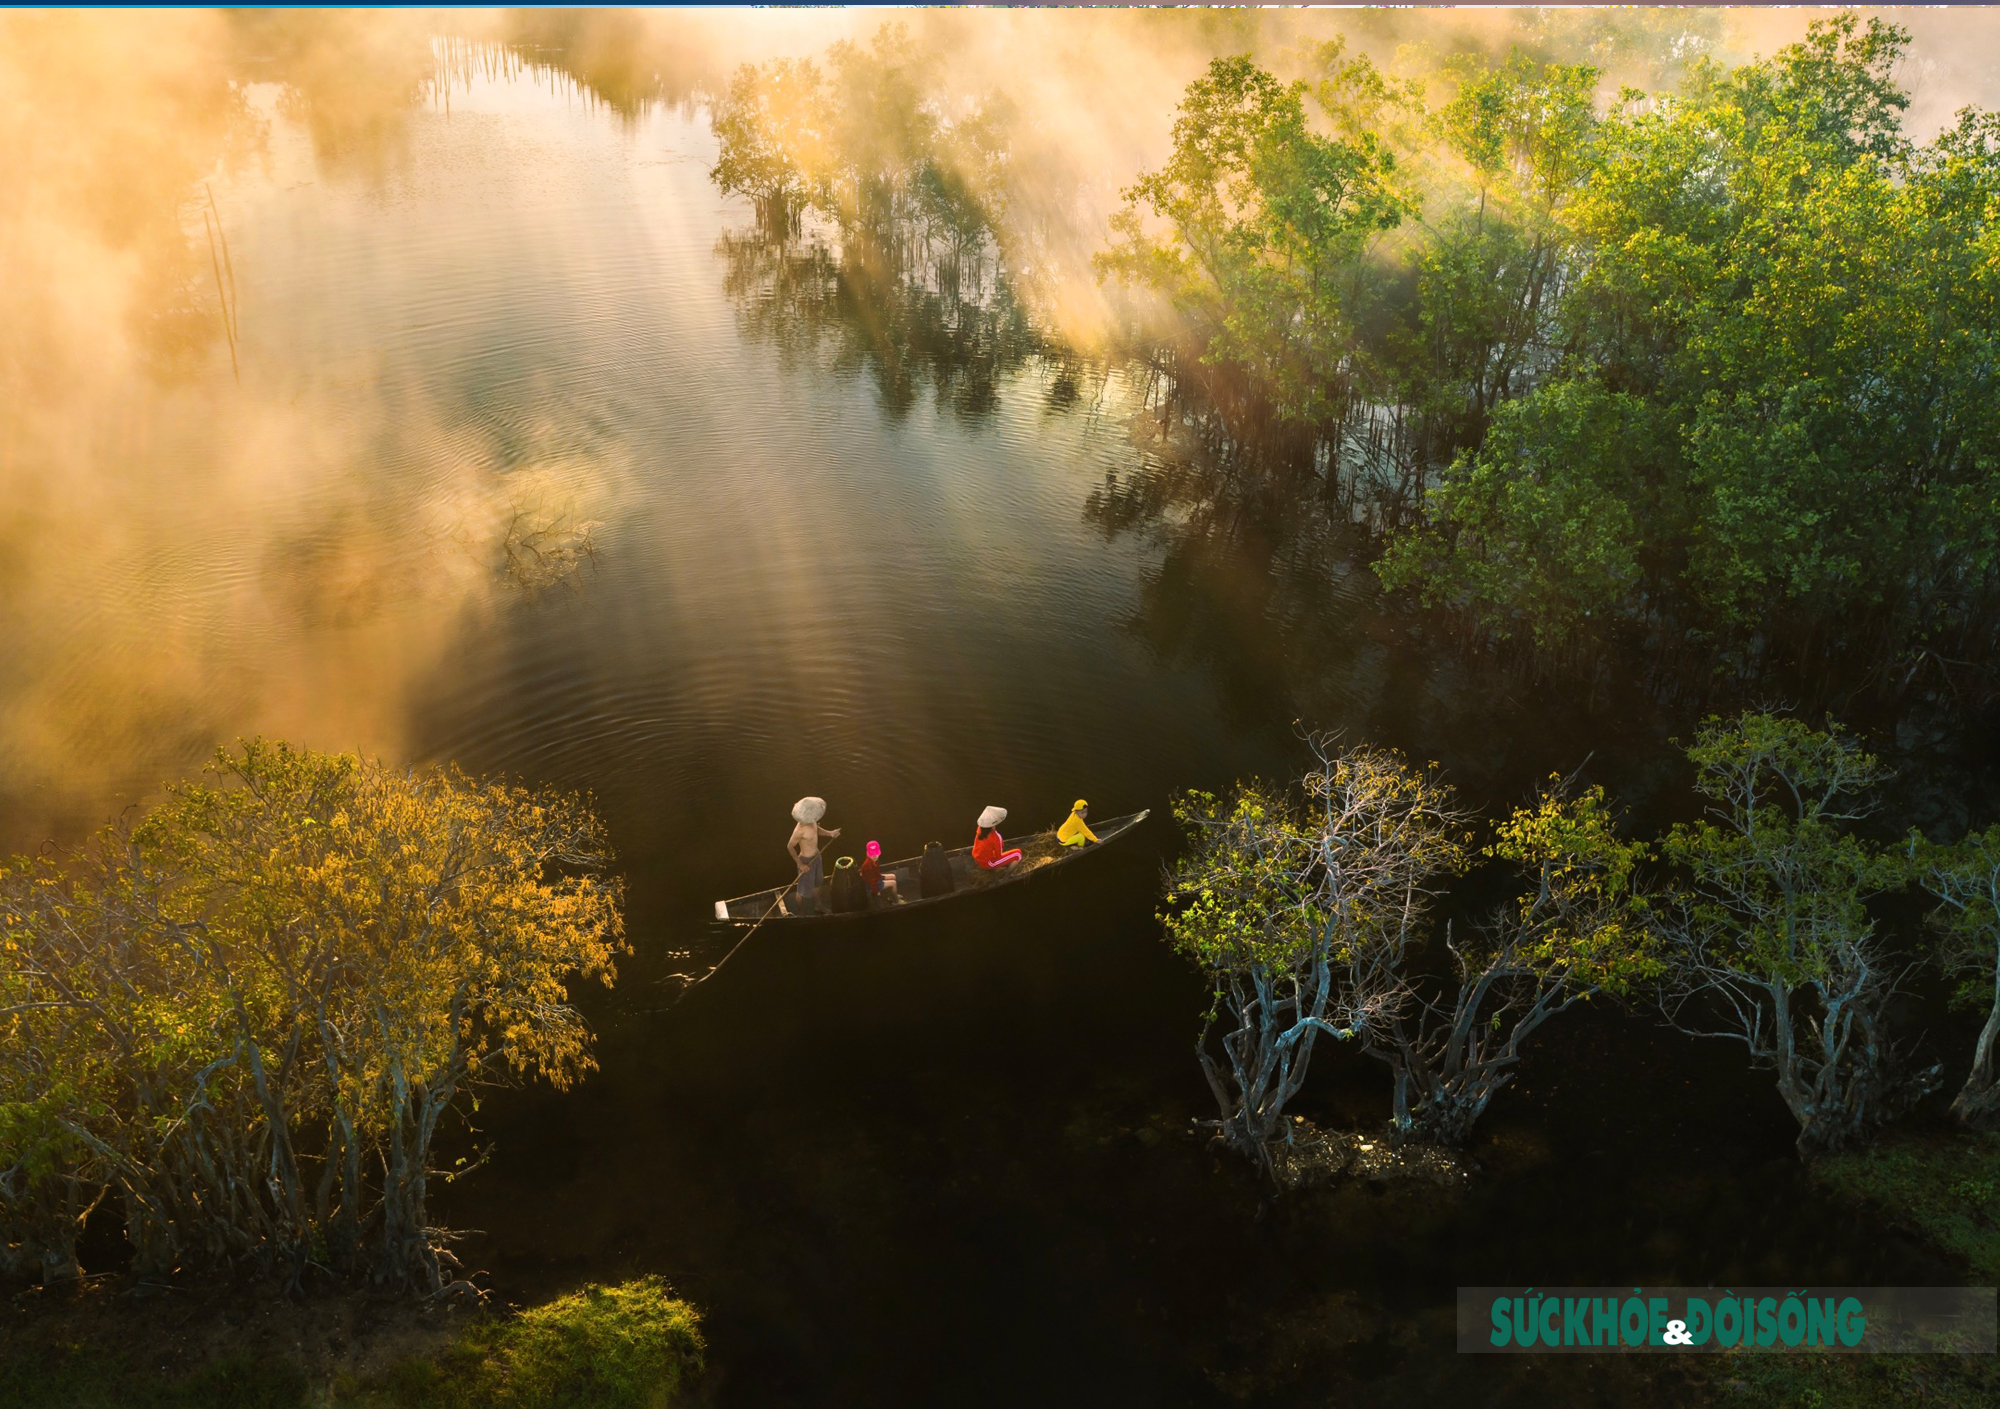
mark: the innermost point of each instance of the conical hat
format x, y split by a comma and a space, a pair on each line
992, 816
809, 809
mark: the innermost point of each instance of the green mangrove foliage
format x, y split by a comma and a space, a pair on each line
1771, 941
244, 1018
1563, 545
1251, 230
1249, 904
1452, 1041
868, 141
1706, 372
1313, 915
1965, 879
773, 146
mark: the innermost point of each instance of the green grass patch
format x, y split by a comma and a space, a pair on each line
1772, 1381
1947, 1189
86, 1378
631, 1346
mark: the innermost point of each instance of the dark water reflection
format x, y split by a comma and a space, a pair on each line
858, 532
911, 318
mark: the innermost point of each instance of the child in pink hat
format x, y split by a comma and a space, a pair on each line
871, 872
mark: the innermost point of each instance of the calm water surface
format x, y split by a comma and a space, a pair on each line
868, 548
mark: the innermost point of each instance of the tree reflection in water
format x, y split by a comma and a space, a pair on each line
628, 60
351, 79
910, 313
1261, 579
881, 201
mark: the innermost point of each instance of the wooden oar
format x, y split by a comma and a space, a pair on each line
776, 901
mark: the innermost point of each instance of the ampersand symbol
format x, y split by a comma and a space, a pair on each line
1677, 1334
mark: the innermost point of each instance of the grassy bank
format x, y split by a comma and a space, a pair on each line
630, 1346
1765, 1381
86, 1377
1944, 1189
625, 1347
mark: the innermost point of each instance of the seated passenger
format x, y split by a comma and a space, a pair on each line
1076, 831
871, 873
987, 841
934, 872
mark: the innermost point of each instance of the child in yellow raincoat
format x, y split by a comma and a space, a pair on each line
1076, 831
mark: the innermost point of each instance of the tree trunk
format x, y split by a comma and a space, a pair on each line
1978, 1102
60, 1269
152, 1240
17, 1260
1269, 1051
401, 1230
345, 1235
1399, 1108
286, 1192
1977, 1106
57, 1238
341, 1224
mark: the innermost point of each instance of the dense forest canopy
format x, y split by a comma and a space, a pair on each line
1703, 374
1712, 366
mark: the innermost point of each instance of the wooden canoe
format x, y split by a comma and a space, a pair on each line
1039, 853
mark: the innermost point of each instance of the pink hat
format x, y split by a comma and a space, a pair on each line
874, 850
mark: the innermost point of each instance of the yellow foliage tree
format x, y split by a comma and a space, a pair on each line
312, 959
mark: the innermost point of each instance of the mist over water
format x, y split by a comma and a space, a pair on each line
480, 280
533, 456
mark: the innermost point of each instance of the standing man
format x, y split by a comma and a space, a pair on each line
804, 847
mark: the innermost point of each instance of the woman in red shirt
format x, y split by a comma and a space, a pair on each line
988, 844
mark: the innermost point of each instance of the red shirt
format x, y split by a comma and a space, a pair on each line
871, 872
986, 850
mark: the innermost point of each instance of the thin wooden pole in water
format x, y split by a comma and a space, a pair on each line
228, 265
768, 913
221, 297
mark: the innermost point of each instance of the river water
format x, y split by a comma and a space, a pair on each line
536, 458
